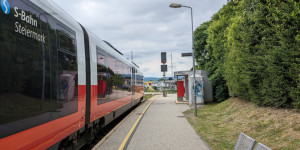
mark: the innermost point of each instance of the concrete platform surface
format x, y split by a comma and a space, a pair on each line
154, 93
163, 126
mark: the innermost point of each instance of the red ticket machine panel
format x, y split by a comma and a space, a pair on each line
180, 88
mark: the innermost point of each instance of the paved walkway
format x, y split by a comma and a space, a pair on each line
162, 127
156, 93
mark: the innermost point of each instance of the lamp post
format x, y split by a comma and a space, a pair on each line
173, 5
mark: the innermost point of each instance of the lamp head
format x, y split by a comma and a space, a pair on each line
173, 5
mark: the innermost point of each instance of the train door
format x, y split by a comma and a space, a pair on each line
59, 67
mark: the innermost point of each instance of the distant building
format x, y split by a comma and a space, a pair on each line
150, 84
169, 84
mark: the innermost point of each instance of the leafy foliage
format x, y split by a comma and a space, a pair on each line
200, 35
252, 48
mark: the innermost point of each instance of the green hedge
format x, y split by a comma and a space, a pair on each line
252, 48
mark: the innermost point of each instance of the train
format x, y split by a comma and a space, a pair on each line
60, 83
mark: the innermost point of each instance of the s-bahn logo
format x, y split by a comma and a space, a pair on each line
5, 6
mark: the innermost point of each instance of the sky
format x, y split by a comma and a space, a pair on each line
145, 27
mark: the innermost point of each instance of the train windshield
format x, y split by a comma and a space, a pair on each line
38, 72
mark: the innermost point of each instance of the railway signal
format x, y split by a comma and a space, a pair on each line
163, 57
164, 69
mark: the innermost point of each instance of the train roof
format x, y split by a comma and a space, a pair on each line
58, 13
111, 50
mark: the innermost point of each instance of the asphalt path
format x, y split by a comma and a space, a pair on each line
156, 124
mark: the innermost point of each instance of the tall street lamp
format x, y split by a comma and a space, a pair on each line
173, 5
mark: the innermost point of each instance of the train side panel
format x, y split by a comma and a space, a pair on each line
139, 92
42, 75
110, 78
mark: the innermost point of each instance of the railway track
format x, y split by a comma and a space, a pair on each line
107, 130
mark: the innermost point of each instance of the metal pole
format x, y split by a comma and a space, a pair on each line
171, 64
193, 49
165, 83
194, 69
164, 88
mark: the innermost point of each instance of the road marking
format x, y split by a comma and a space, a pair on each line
130, 133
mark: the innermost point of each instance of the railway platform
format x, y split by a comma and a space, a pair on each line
156, 124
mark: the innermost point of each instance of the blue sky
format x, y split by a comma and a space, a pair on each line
145, 27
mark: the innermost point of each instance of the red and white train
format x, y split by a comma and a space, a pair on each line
59, 83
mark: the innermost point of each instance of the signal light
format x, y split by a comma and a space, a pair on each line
163, 57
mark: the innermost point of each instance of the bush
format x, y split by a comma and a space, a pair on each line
252, 50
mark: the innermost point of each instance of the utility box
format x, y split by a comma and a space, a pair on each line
199, 89
204, 92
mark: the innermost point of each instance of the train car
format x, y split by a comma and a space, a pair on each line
60, 84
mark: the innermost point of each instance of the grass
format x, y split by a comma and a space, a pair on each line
148, 96
220, 124
152, 90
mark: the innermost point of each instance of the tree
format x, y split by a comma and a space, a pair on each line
251, 48
201, 52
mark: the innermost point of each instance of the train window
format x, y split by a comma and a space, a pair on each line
67, 81
133, 72
128, 80
101, 77
38, 81
120, 79
124, 81
123, 85
117, 80
66, 85
111, 78
66, 43
100, 59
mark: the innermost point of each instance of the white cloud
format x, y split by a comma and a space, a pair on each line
144, 27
